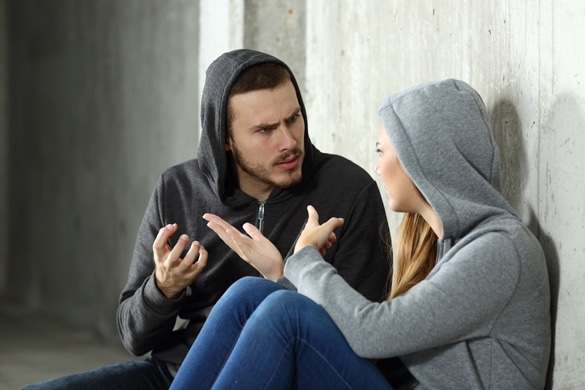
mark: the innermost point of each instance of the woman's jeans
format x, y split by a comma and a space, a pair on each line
260, 336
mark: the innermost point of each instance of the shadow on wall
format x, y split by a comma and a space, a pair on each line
509, 137
508, 134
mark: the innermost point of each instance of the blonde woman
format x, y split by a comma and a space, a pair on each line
469, 305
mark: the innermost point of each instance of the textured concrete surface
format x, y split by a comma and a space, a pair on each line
4, 147
35, 348
526, 60
103, 95
103, 98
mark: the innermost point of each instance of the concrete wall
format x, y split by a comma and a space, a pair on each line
527, 61
3, 147
275, 26
104, 95
285, 35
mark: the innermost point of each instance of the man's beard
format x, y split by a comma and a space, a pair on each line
263, 174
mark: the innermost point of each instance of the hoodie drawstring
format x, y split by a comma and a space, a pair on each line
260, 218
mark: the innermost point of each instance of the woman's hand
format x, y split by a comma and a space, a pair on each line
320, 236
253, 248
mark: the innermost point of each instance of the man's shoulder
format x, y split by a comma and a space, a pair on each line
185, 181
189, 167
183, 175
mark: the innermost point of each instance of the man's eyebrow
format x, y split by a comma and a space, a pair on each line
265, 125
296, 111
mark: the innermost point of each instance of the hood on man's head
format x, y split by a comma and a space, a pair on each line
442, 135
220, 76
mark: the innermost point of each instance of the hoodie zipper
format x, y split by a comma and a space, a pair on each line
260, 218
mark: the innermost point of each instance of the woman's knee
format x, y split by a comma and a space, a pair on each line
295, 316
250, 284
248, 290
289, 305
293, 299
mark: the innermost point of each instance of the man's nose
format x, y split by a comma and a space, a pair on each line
286, 140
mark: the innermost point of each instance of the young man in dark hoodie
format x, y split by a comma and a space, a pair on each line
255, 164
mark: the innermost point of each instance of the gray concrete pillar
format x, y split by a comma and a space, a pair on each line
4, 225
104, 96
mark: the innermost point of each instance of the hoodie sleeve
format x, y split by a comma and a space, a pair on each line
454, 304
145, 315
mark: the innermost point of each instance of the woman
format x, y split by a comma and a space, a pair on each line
469, 305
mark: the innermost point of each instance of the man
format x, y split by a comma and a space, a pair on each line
255, 164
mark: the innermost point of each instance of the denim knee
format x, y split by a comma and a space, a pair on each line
251, 284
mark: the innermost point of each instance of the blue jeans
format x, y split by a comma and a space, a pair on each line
260, 336
145, 374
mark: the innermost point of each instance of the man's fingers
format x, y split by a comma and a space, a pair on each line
202, 260
160, 245
179, 247
196, 257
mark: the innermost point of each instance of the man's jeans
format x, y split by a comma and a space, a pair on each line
145, 374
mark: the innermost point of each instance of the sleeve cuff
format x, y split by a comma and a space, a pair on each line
157, 301
287, 284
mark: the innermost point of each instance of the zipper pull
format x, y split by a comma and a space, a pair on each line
260, 218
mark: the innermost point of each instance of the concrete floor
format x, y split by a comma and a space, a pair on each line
34, 348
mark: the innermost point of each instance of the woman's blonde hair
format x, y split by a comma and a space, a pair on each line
415, 253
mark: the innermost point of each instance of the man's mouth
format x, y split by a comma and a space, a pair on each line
289, 162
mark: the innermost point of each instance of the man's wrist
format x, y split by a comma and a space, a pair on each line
170, 293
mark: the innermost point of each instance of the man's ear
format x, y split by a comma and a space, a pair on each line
228, 143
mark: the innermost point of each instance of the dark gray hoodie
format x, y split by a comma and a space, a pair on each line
481, 317
334, 185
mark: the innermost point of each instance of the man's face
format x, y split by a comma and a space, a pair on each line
267, 139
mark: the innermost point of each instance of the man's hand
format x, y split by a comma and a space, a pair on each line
174, 274
253, 248
320, 236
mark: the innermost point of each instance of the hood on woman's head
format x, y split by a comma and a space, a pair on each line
443, 138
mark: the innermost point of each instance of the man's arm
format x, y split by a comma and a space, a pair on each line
157, 280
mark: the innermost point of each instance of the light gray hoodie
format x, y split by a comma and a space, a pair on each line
480, 320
